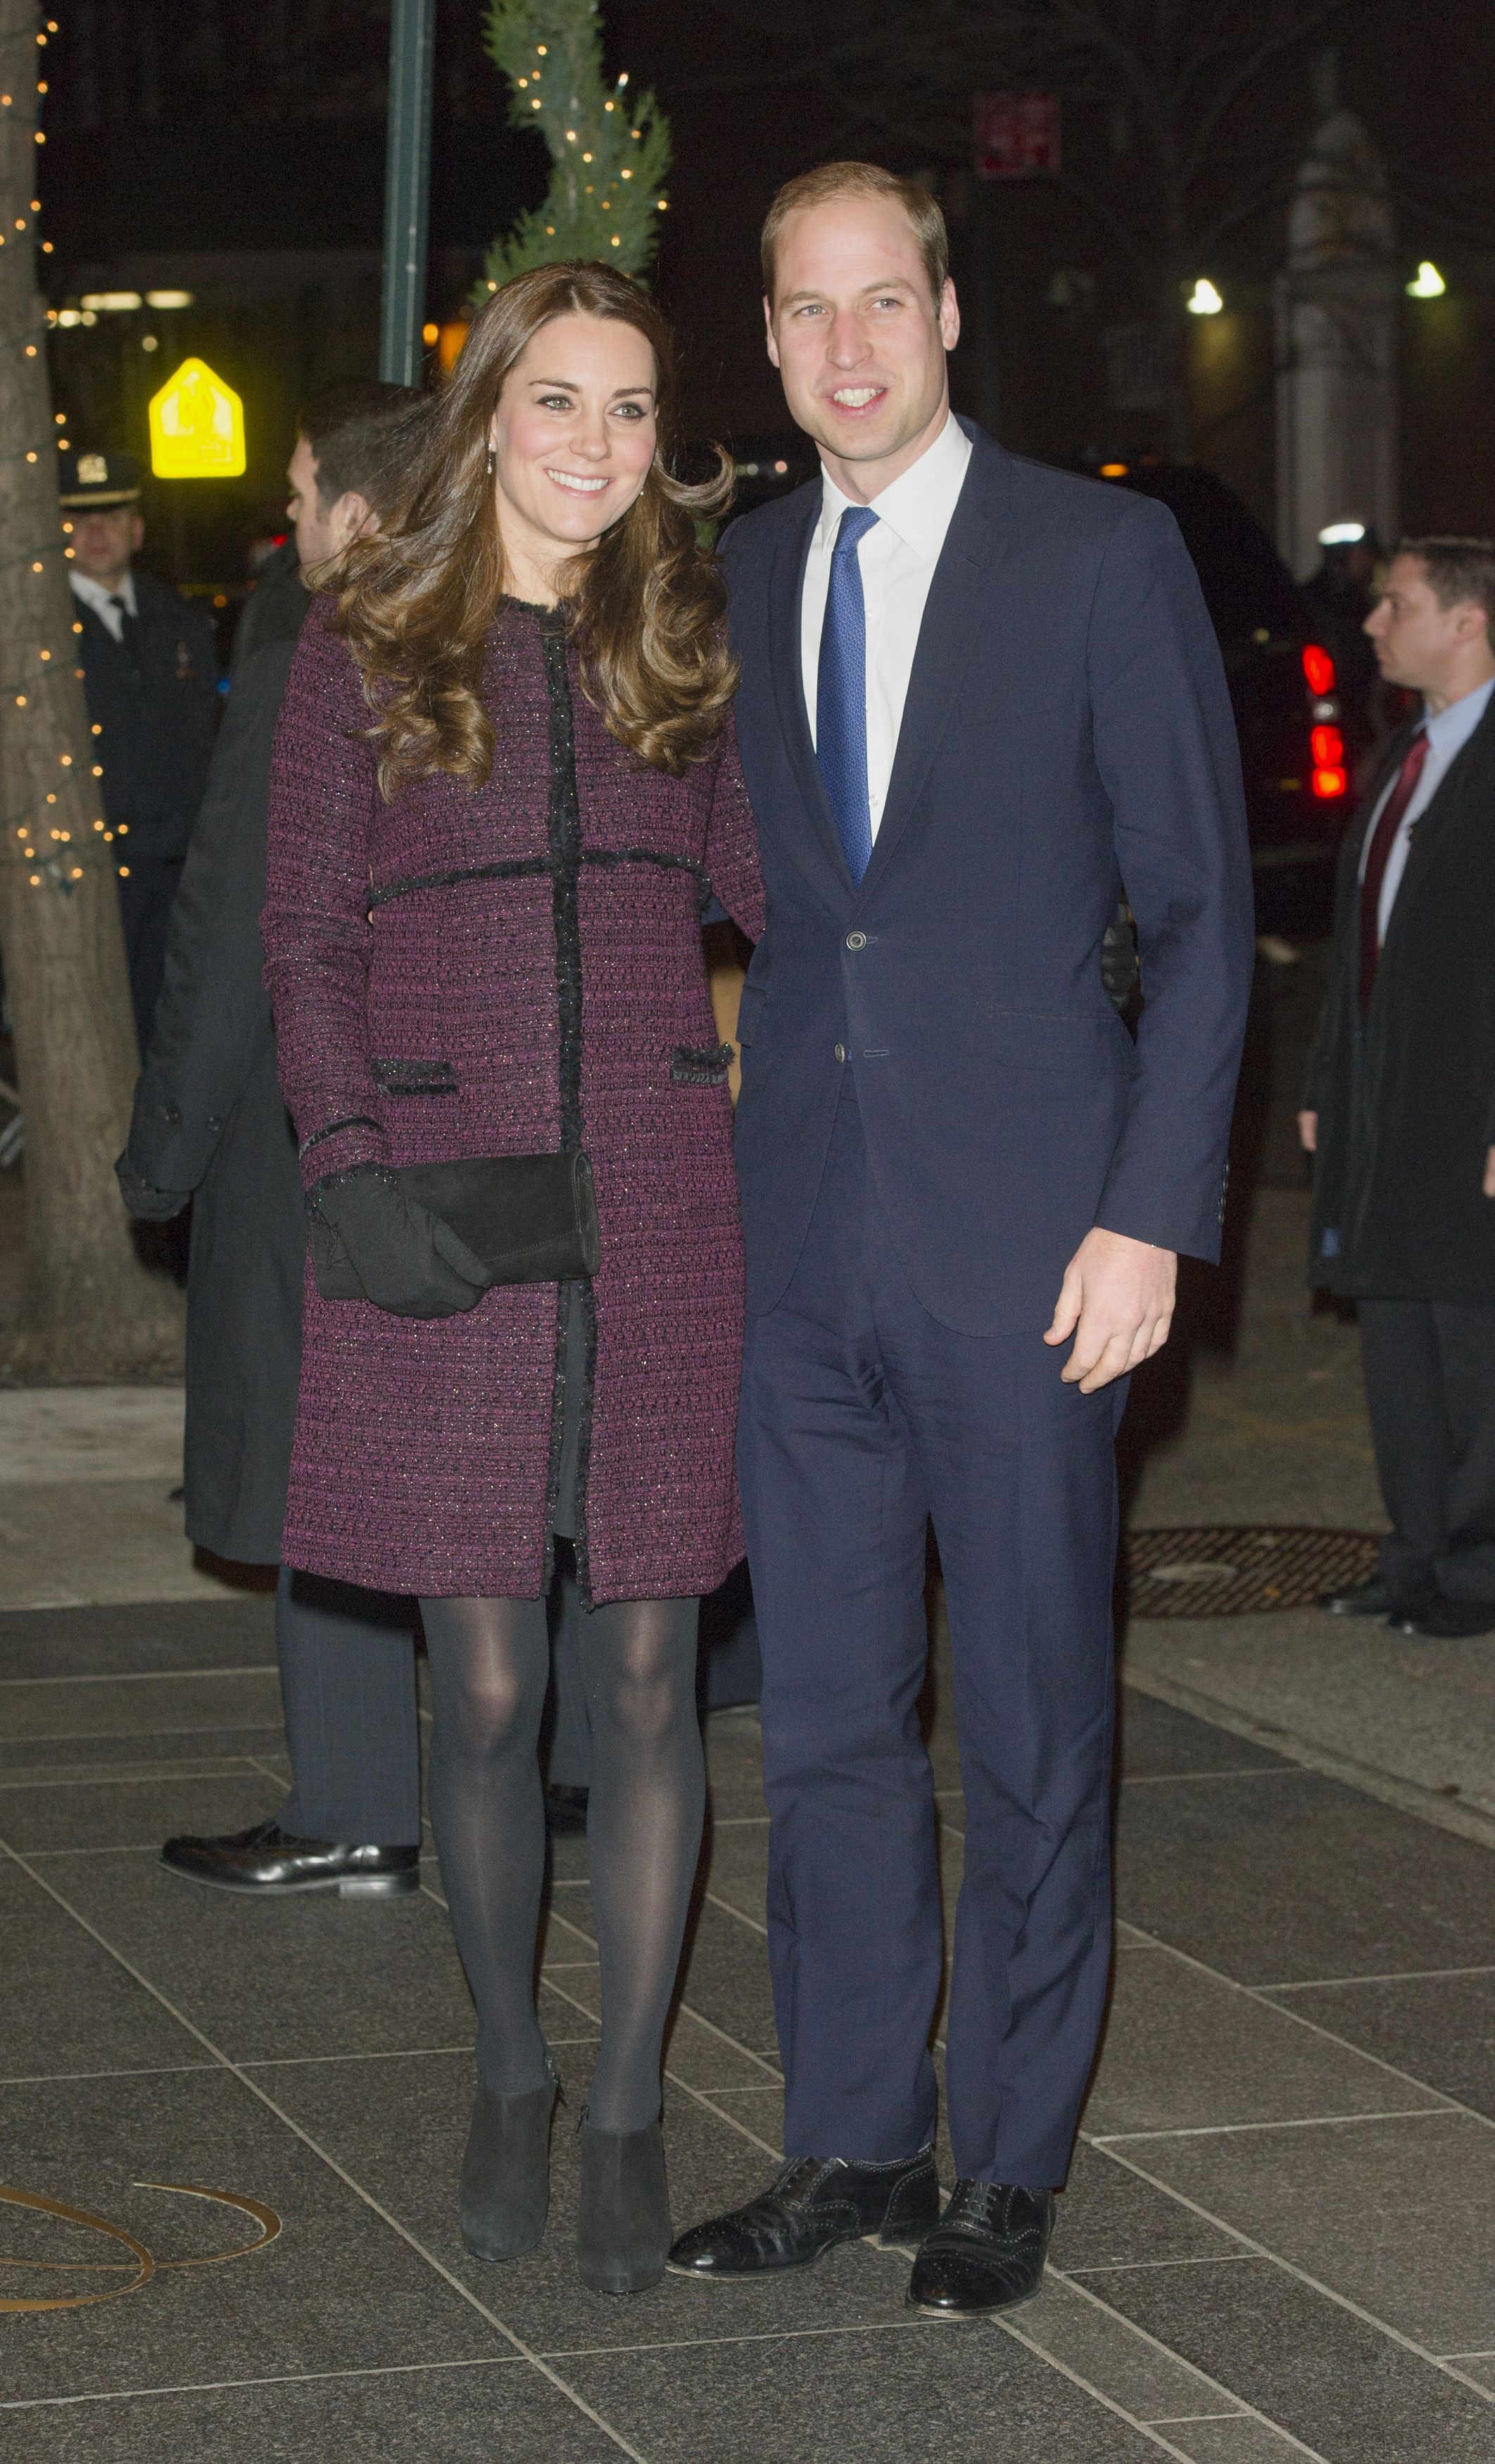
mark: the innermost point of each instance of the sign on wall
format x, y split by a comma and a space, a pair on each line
1016, 136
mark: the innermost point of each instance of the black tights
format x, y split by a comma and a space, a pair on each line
490, 1665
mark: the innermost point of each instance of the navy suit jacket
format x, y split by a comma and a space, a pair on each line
1067, 734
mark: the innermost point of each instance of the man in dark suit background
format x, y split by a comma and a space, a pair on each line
1399, 1104
978, 699
209, 1124
150, 676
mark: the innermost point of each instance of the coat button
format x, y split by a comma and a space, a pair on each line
841, 1052
856, 940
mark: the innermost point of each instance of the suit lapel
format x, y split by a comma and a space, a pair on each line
785, 585
1430, 827
974, 545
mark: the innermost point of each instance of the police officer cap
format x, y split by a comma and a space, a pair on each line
101, 480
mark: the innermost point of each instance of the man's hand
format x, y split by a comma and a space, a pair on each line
1308, 1133
1117, 1300
1488, 1183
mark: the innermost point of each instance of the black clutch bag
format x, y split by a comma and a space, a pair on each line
530, 1219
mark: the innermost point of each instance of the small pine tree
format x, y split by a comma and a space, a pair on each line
609, 155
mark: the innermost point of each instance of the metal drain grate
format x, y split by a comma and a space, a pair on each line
1240, 1571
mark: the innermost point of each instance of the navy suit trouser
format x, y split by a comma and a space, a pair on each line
862, 1416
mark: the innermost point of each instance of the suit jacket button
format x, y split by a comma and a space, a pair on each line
856, 940
841, 1052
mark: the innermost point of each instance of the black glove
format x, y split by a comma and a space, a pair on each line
147, 1203
408, 1259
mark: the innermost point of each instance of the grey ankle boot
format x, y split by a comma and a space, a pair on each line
505, 2191
623, 2221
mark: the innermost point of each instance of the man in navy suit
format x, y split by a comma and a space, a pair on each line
978, 699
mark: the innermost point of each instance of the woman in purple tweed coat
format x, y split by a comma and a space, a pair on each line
506, 788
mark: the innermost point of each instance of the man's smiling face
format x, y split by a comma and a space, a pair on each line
858, 339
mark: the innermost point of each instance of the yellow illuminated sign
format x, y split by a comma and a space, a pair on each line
196, 426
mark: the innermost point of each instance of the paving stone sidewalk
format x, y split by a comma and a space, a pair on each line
1275, 2240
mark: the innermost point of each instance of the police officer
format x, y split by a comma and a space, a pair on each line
150, 678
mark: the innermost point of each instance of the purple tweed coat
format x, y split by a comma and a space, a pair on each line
505, 972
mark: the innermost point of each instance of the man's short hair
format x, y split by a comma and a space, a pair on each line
362, 435
1458, 570
862, 179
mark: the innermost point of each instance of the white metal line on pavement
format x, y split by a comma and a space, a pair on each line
1297, 2122
287, 2378
60, 2079
128, 1775
145, 1676
1244, 1771
375, 2206
1391, 1976
1140, 2266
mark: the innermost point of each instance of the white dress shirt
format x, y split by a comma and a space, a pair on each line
897, 559
1447, 731
94, 595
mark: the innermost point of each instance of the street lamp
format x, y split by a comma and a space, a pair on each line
1427, 283
1204, 300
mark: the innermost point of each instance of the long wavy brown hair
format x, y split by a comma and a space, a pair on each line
645, 604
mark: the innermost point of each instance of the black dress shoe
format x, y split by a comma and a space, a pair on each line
812, 2203
1374, 1599
565, 1807
1446, 1621
269, 1863
986, 2252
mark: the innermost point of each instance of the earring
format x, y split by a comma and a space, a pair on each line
492, 462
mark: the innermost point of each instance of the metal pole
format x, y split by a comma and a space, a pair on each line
412, 33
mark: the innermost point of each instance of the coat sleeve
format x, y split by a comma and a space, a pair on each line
1165, 746
732, 841
212, 1005
315, 928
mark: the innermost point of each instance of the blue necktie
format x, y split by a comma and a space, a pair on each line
841, 693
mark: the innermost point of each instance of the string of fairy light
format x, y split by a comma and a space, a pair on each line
615, 103
32, 841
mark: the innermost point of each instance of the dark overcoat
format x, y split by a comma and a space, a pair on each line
1406, 1102
154, 700
505, 971
209, 1117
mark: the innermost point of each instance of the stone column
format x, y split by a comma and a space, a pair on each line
1337, 345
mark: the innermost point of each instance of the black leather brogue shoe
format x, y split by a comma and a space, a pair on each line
985, 2254
812, 2203
268, 1863
1372, 1599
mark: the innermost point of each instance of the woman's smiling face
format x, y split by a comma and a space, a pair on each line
573, 438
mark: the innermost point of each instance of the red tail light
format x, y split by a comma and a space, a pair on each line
1319, 669
1328, 747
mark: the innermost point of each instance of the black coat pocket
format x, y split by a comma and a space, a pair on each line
693, 1065
415, 1077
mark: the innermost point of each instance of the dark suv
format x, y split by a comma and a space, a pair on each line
1299, 745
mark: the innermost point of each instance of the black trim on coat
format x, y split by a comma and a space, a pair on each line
534, 867
563, 822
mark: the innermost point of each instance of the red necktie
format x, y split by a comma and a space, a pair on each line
1376, 857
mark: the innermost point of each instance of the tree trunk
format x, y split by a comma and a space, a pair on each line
90, 1309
